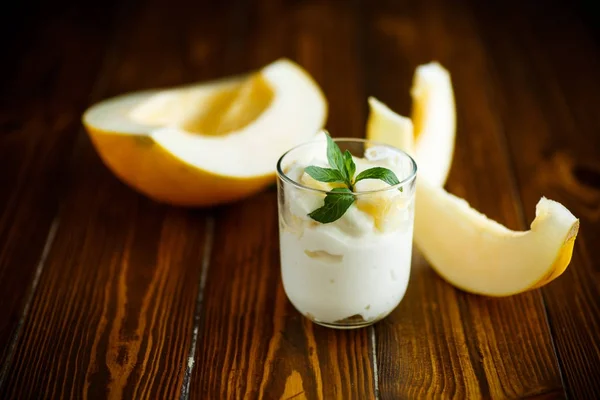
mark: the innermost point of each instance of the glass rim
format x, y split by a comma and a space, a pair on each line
402, 183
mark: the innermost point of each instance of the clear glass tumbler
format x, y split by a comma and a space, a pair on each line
354, 271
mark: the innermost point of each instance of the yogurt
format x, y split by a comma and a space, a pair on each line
353, 271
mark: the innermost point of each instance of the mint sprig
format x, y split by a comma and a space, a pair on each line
338, 200
381, 173
325, 174
335, 157
349, 164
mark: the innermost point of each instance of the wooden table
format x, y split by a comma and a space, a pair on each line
105, 293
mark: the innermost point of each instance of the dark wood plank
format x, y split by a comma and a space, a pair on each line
39, 118
442, 342
548, 71
113, 314
252, 343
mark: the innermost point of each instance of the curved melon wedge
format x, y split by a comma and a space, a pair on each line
481, 256
207, 143
470, 251
386, 126
434, 120
429, 135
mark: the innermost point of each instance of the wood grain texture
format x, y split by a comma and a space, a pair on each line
552, 131
252, 342
40, 105
122, 299
113, 314
459, 345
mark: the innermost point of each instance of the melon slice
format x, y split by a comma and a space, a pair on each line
387, 127
481, 256
208, 143
434, 120
466, 248
429, 135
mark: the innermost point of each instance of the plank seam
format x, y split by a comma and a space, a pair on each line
98, 87
30, 295
206, 255
233, 44
361, 23
374, 355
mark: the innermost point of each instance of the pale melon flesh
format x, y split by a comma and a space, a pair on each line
466, 248
387, 127
208, 143
434, 120
482, 256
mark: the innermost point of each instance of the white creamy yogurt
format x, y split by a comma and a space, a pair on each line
356, 267
330, 276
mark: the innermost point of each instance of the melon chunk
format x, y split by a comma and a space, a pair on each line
434, 121
207, 143
472, 252
429, 135
482, 256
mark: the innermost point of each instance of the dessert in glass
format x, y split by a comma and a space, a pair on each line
345, 226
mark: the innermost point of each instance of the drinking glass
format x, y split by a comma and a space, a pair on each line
354, 271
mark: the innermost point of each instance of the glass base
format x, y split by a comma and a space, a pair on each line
353, 322
346, 325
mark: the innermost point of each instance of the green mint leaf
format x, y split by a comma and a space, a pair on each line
335, 157
350, 166
337, 201
384, 174
325, 174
